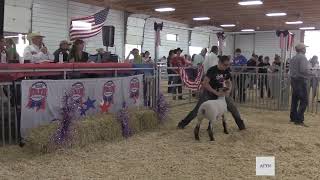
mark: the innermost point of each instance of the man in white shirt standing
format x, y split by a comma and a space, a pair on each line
199, 58
37, 52
212, 59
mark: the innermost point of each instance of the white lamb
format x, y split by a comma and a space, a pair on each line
211, 110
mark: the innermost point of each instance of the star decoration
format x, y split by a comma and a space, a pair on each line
83, 111
104, 106
90, 104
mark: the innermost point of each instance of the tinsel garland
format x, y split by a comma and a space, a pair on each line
162, 108
123, 118
68, 111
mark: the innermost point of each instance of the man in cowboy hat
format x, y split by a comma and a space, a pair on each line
37, 52
299, 74
64, 48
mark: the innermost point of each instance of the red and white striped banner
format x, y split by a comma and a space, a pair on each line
192, 85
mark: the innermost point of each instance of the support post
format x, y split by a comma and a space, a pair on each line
2, 16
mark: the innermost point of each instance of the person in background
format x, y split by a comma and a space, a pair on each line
177, 61
170, 71
276, 63
314, 81
263, 77
64, 48
77, 55
198, 59
240, 63
137, 59
211, 59
37, 52
3, 51
299, 74
217, 77
252, 64
98, 57
146, 59
13, 56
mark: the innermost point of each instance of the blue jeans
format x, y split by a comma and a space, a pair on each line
299, 98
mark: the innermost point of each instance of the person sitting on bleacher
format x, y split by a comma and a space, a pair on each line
64, 48
13, 56
77, 54
37, 52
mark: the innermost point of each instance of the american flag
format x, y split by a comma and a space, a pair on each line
86, 27
192, 85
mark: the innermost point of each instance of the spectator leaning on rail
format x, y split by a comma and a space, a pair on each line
240, 62
64, 48
314, 82
177, 61
37, 52
299, 74
216, 77
137, 59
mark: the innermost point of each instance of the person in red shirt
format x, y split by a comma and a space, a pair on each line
178, 61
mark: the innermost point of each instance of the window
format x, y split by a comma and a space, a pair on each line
194, 50
312, 39
20, 40
129, 48
172, 37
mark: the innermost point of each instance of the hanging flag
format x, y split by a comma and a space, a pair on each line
89, 26
192, 85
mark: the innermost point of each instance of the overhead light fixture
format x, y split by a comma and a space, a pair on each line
276, 14
166, 9
294, 22
250, 3
247, 30
307, 28
201, 19
227, 25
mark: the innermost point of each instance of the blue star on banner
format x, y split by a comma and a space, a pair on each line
83, 111
90, 104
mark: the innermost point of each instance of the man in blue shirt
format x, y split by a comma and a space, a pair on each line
239, 63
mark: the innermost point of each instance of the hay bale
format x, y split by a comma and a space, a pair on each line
142, 119
101, 127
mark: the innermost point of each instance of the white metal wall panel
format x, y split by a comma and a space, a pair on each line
267, 44
49, 17
213, 40
228, 48
169, 28
135, 30
17, 16
200, 39
246, 43
17, 19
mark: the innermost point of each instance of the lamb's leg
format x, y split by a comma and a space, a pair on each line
224, 123
210, 131
197, 128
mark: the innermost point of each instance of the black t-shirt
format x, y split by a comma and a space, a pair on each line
264, 67
217, 78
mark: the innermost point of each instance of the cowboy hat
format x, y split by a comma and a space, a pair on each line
65, 42
34, 34
301, 46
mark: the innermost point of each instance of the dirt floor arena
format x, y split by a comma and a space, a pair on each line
169, 153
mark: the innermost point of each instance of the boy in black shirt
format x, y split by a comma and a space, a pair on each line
217, 77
